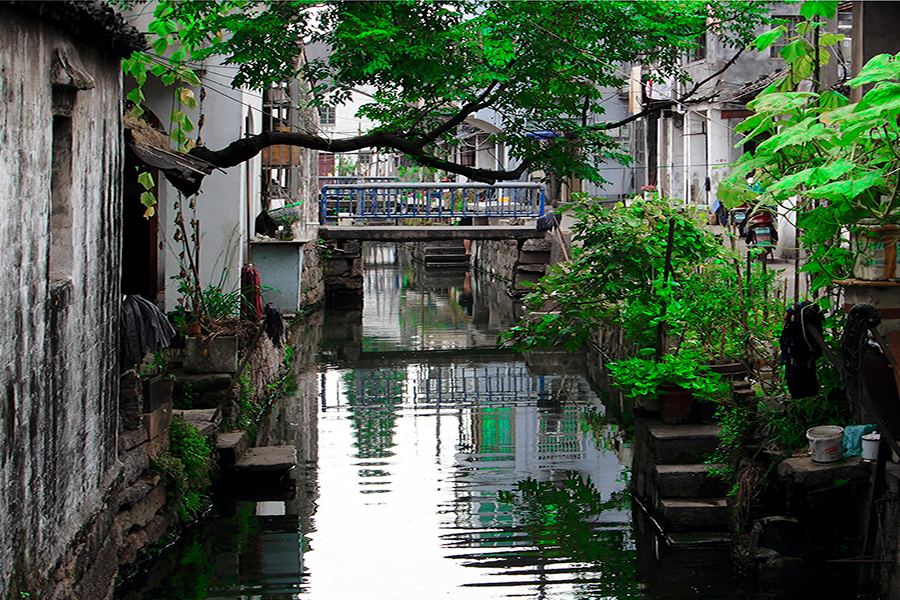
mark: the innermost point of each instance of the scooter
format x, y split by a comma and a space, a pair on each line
760, 231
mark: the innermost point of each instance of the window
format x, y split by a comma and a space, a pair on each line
699, 52
789, 21
326, 115
365, 158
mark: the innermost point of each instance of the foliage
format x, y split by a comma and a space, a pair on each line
563, 520
616, 275
841, 159
642, 377
542, 66
186, 467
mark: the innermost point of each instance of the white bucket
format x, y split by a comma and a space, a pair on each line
870, 443
825, 443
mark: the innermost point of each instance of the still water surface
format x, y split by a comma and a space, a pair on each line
434, 465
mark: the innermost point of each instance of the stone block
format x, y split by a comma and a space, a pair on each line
99, 579
157, 422
541, 258
157, 527
131, 545
706, 514
272, 458
193, 385
688, 481
682, 444
802, 470
138, 490
536, 245
217, 354
143, 510
135, 462
132, 438
231, 446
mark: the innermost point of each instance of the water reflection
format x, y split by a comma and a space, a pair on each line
432, 465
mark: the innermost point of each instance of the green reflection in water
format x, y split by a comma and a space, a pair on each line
374, 396
563, 522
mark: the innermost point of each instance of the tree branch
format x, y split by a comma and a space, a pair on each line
246, 148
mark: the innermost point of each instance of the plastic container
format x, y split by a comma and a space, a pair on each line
870, 443
825, 444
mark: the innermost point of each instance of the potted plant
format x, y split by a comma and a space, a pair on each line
676, 381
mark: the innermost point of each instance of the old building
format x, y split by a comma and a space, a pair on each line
60, 170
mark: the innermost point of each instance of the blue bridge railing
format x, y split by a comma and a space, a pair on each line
401, 200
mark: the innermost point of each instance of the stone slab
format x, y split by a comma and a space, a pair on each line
198, 383
804, 471
157, 423
681, 444
231, 446
683, 514
536, 245
211, 355
270, 458
689, 481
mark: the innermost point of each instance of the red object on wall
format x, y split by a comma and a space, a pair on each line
251, 294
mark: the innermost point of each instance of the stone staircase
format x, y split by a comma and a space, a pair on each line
442, 253
236, 458
682, 513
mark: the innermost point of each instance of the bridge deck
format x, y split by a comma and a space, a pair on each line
424, 233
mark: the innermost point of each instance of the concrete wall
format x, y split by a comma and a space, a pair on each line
59, 188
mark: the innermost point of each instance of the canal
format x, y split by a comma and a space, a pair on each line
433, 465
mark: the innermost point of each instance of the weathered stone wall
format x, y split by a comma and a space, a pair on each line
60, 166
312, 277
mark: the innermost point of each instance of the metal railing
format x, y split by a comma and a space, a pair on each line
431, 200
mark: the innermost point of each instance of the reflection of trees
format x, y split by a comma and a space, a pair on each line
562, 522
374, 396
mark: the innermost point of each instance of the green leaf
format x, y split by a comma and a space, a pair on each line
177, 116
879, 68
159, 45
768, 38
146, 180
796, 49
819, 8
148, 199
136, 96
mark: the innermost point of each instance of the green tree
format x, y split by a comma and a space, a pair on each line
540, 65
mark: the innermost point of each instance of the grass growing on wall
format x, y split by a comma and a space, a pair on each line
186, 467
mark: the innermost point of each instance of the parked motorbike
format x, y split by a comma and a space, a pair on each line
760, 231
739, 216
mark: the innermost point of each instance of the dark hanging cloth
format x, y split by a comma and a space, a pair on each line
799, 351
142, 328
251, 294
548, 222
274, 324
854, 341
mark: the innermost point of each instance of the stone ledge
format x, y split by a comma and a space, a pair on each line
804, 471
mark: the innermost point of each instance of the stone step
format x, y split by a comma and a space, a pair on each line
269, 459
456, 258
680, 515
681, 444
206, 420
688, 481
231, 446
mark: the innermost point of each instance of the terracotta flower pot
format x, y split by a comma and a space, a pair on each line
675, 404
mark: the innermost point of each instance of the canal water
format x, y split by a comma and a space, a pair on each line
433, 465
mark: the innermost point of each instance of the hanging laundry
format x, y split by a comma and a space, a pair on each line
251, 294
799, 350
